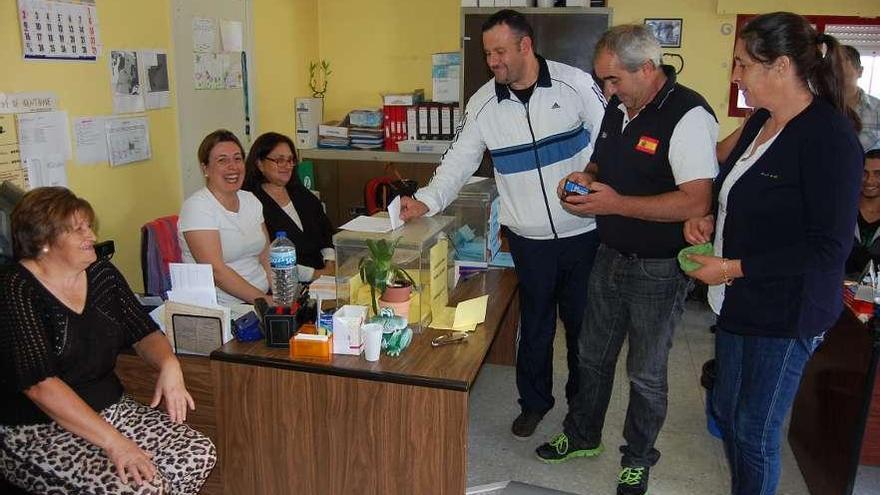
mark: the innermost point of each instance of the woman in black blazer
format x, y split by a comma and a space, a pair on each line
288, 206
786, 208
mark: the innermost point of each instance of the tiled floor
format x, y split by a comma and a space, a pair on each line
692, 462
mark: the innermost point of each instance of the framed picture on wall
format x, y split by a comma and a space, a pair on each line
667, 31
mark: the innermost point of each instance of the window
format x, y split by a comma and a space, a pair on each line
860, 32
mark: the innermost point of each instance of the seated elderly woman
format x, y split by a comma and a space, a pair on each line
67, 426
222, 225
288, 206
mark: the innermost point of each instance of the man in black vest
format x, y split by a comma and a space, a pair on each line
652, 168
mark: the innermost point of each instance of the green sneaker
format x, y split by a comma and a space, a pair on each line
560, 450
632, 481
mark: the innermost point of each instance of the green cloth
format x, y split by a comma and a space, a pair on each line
686, 264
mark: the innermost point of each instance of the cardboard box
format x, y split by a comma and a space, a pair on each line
347, 337
423, 146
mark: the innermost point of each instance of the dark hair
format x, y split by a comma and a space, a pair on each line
213, 139
42, 215
853, 55
873, 154
512, 19
770, 36
261, 148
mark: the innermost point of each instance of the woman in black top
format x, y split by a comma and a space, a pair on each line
288, 206
786, 208
65, 318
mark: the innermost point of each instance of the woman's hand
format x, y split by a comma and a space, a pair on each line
130, 461
699, 230
715, 270
171, 388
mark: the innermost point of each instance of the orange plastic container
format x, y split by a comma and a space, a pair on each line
309, 346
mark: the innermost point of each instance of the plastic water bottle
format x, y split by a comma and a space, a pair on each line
282, 260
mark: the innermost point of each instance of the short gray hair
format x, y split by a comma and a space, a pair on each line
634, 44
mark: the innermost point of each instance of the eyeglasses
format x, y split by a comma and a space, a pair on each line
282, 160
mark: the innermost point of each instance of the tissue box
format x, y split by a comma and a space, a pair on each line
347, 321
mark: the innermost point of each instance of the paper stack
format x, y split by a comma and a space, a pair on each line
334, 135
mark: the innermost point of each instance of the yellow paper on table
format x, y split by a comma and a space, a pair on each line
471, 313
464, 318
442, 318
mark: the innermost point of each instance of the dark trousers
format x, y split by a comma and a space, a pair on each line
758, 378
641, 299
551, 273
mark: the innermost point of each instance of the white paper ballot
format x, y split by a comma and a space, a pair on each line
394, 214
192, 283
368, 224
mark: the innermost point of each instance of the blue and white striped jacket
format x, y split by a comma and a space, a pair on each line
533, 146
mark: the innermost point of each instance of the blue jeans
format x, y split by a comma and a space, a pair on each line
757, 380
552, 273
641, 299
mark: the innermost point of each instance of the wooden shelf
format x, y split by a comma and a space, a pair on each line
368, 155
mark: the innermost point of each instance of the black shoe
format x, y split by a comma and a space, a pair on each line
632, 481
524, 425
560, 450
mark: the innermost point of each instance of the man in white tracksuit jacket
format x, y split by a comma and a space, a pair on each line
538, 119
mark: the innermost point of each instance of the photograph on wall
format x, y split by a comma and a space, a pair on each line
125, 81
155, 76
667, 31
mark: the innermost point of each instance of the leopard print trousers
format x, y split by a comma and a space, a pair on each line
48, 459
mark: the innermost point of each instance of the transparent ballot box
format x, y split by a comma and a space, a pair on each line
476, 232
422, 251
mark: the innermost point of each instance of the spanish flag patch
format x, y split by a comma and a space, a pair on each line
647, 145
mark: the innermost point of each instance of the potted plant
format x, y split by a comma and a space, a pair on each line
384, 276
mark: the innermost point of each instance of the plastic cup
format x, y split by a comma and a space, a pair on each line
372, 340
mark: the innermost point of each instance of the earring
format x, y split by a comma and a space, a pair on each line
45, 249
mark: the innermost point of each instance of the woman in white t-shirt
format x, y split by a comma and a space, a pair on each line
222, 225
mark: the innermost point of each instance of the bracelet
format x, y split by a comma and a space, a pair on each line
725, 275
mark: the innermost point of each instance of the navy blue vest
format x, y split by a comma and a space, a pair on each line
635, 162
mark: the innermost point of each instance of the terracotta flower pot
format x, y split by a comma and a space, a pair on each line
399, 308
397, 294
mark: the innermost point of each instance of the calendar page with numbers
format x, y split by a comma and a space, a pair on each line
59, 30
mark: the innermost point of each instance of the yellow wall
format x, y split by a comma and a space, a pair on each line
382, 46
368, 57
126, 197
285, 41
123, 197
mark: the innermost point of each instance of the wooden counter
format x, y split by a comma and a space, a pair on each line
828, 416
396, 426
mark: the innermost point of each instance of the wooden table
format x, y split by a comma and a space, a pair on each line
396, 426
828, 428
